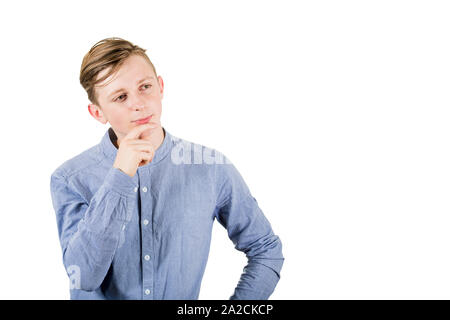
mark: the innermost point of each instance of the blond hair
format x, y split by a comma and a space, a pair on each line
107, 53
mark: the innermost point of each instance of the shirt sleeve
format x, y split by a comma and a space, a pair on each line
251, 233
89, 233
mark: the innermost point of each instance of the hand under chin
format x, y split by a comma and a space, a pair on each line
147, 134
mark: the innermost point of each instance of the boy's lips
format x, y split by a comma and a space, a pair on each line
143, 120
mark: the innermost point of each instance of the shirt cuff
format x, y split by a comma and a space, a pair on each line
120, 182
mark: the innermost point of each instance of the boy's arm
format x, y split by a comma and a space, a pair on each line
251, 233
89, 233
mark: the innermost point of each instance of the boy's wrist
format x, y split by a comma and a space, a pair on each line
121, 182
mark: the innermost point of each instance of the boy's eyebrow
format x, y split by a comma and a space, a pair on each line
121, 89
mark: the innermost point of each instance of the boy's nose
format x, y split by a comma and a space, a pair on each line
138, 107
136, 103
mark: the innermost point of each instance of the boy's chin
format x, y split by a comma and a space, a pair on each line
147, 133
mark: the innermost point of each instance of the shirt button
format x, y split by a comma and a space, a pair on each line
147, 257
147, 291
135, 189
145, 222
144, 189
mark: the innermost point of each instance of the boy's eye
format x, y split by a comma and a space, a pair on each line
121, 97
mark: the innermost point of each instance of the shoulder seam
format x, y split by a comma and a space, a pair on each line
87, 166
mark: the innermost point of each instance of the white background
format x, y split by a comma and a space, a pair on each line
336, 113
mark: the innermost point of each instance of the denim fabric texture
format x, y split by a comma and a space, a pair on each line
148, 236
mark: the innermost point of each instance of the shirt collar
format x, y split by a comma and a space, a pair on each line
110, 150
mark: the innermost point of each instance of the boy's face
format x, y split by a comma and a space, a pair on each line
133, 94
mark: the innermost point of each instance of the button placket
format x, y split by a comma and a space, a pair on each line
147, 234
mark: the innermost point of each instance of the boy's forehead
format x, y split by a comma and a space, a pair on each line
131, 71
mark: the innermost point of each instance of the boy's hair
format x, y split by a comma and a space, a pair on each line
107, 53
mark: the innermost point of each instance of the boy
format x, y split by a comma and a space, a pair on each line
135, 212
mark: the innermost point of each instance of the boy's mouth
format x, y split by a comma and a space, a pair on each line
143, 120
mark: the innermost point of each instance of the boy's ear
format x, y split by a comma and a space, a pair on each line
97, 113
161, 86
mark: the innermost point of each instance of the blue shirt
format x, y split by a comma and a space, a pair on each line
148, 236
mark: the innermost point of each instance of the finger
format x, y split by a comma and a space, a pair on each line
138, 142
144, 148
146, 156
137, 131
